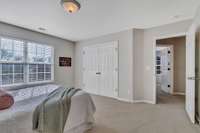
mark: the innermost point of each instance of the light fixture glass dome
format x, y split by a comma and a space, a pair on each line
71, 6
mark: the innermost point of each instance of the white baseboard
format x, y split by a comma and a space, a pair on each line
143, 101
179, 93
135, 101
124, 100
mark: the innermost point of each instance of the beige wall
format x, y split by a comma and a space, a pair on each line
179, 44
63, 75
125, 39
138, 55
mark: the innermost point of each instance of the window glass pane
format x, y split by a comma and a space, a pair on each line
6, 44
6, 55
18, 50
0, 73
47, 76
12, 50
47, 68
32, 68
32, 77
40, 76
32, 52
18, 46
31, 57
1, 80
7, 68
6, 49
48, 54
36, 52
18, 56
39, 59
19, 68
18, 78
7, 79
39, 53
41, 68
32, 48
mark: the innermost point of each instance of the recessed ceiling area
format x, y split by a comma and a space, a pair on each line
96, 17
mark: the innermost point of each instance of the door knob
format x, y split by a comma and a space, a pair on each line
193, 78
98, 73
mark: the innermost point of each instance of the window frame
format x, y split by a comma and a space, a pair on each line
26, 63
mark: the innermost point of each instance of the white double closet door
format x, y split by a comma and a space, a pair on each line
100, 69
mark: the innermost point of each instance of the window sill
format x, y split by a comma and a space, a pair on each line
25, 85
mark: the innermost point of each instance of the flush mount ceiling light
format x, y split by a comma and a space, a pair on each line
71, 6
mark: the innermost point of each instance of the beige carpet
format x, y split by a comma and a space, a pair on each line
168, 116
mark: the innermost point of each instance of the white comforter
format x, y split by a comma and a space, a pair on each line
18, 119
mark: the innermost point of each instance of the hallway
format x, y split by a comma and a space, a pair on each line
168, 99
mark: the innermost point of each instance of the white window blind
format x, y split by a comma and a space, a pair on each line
23, 62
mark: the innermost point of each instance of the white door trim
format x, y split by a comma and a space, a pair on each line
154, 59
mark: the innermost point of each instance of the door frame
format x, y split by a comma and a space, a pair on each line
154, 59
171, 65
117, 50
197, 92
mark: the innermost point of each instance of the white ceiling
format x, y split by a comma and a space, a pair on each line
96, 17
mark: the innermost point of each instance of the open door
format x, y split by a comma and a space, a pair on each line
197, 83
190, 74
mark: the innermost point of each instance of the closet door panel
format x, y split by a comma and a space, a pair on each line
107, 55
90, 68
100, 69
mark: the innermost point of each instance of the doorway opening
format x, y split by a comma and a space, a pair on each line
171, 70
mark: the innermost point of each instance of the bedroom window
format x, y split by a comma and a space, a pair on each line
23, 62
11, 61
39, 62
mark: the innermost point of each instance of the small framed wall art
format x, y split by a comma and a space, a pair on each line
65, 61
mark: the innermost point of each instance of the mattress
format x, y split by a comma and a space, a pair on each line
18, 119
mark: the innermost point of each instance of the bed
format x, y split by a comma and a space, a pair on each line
18, 119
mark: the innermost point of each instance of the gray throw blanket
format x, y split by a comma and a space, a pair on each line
51, 115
